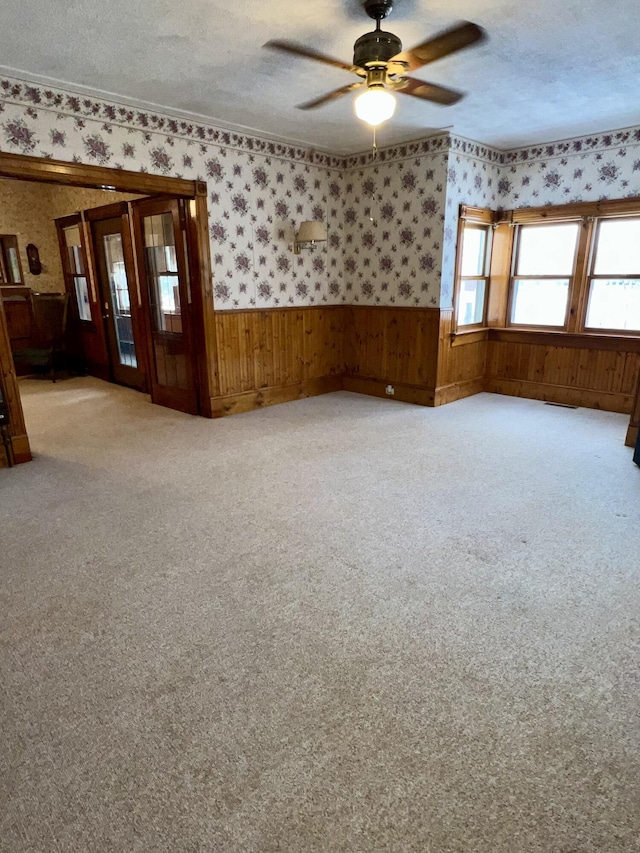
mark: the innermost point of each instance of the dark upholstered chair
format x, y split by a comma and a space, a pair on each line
49, 313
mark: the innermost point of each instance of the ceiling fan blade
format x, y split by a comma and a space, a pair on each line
429, 92
458, 37
308, 53
330, 96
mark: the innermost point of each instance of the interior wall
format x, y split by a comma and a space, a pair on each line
473, 178
593, 168
258, 191
67, 200
391, 225
394, 212
25, 212
28, 210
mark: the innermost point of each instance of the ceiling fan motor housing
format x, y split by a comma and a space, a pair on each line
378, 9
375, 47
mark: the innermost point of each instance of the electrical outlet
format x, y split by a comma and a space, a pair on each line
390, 390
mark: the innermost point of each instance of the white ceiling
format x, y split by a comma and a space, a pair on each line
551, 68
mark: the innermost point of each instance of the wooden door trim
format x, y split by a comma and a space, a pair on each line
99, 229
106, 211
203, 314
28, 168
9, 381
150, 207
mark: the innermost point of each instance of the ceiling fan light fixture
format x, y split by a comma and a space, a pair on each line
375, 105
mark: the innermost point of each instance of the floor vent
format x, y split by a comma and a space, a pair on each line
562, 405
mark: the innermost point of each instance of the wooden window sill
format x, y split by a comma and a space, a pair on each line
573, 340
469, 336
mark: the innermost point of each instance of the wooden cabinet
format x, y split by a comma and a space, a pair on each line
17, 309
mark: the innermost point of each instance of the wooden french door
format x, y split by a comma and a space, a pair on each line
166, 293
118, 298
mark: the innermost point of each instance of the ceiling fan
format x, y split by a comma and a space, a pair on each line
379, 60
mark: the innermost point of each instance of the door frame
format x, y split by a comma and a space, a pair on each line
120, 212
23, 167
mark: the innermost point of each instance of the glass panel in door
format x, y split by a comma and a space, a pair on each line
120, 301
163, 258
116, 280
164, 298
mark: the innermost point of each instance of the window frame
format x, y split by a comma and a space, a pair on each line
513, 277
501, 284
4, 262
591, 275
62, 224
475, 217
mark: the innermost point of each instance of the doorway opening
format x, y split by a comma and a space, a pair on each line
138, 277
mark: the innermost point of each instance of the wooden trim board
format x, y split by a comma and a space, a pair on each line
606, 400
247, 401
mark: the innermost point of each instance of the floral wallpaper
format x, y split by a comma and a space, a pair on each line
391, 217
259, 190
472, 180
594, 168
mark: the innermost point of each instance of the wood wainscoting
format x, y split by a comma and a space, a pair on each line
17, 309
276, 355
462, 360
280, 354
579, 370
392, 346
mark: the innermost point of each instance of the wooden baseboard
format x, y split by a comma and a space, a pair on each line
377, 388
605, 400
632, 436
247, 401
21, 451
459, 390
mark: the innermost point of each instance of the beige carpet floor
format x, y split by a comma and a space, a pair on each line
339, 624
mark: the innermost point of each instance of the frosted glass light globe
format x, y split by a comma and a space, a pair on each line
375, 105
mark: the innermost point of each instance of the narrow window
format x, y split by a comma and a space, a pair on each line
543, 270
614, 284
10, 269
77, 271
474, 274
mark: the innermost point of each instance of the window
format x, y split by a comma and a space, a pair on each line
543, 270
75, 271
614, 282
163, 266
10, 269
571, 269
475, 233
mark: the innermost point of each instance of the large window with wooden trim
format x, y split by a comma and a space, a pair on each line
572, 269
543, 269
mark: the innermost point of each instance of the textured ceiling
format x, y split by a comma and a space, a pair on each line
550, 69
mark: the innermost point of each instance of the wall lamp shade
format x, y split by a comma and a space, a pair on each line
310, 232
375, 105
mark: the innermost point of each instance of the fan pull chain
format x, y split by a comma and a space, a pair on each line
375, 145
